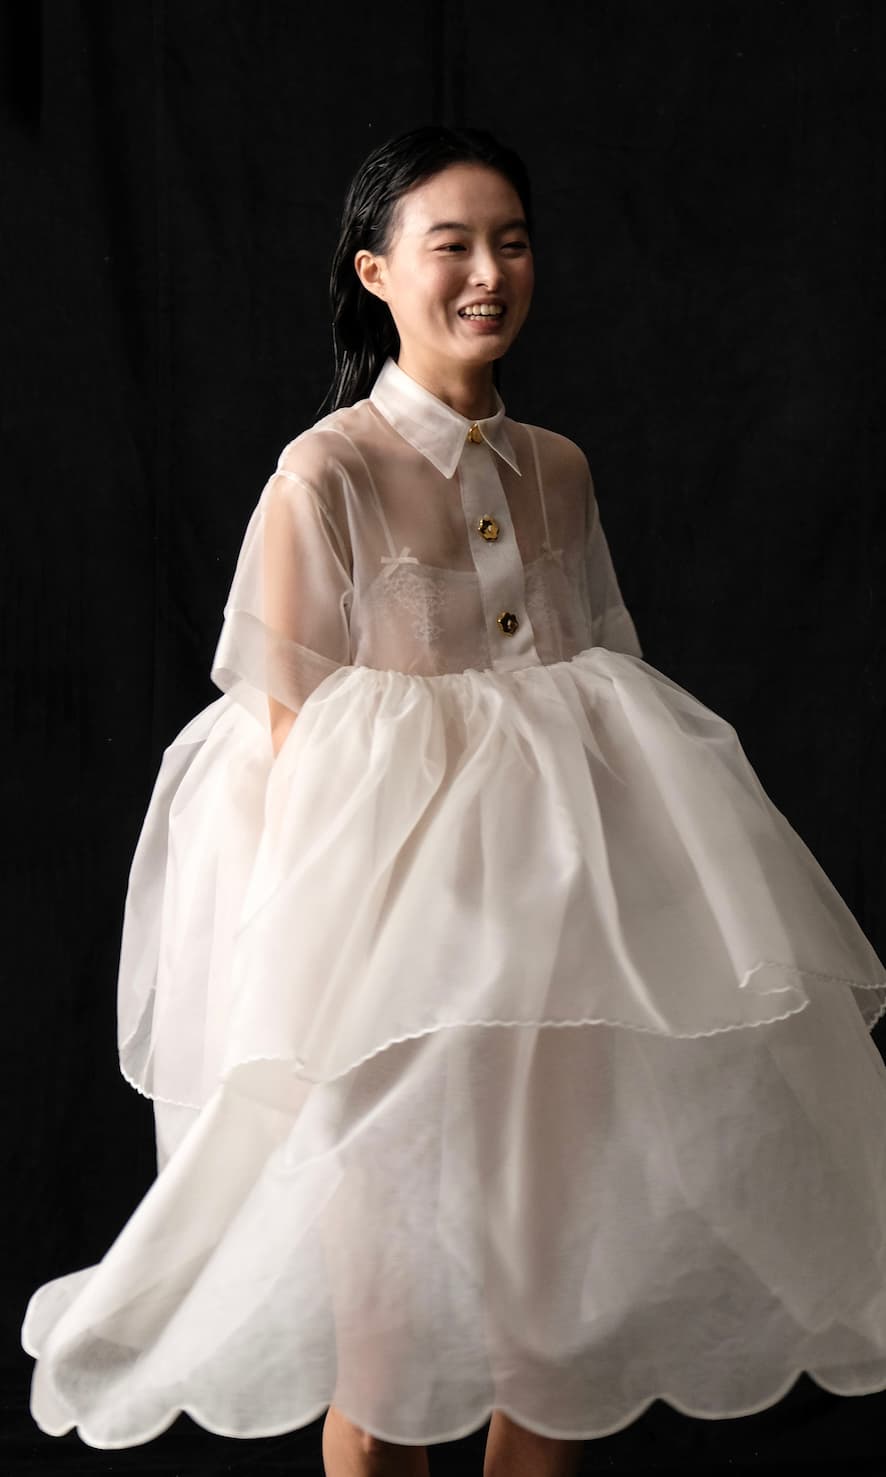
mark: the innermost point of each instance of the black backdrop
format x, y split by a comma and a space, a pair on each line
709, 189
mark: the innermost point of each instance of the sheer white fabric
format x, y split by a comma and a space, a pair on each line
362, 551
445, 1010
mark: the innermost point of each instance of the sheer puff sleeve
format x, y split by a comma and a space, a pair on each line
611, 622
287, 617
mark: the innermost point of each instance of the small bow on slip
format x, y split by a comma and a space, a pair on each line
404, 557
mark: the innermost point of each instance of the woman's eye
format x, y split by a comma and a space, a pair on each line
457, 246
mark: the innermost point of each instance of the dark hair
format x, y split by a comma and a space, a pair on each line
363, 330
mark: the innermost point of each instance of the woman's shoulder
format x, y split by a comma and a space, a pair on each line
325, 458
558, 455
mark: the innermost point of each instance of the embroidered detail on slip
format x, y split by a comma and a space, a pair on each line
419, 595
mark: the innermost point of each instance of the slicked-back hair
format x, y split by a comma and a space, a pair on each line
363, 330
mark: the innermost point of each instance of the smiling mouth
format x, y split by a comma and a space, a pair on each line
482, 317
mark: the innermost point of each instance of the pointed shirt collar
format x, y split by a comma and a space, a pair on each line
431, 426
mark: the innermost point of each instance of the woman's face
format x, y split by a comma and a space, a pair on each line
459, 239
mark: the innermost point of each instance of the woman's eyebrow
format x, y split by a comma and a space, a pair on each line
515, 225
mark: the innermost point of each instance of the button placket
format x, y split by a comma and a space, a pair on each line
497, 560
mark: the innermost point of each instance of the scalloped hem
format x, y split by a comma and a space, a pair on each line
472, 1424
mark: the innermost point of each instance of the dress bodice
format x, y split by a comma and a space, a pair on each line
397, 534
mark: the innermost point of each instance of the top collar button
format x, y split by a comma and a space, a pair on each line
475, 434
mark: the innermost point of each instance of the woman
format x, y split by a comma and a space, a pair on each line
510, 1051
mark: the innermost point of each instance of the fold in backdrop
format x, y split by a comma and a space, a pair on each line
709, 188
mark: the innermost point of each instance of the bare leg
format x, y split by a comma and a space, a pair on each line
512, 1451
349, 1451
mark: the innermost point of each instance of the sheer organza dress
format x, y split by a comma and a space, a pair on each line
508, 1047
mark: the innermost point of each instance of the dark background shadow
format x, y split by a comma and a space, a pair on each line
707, 325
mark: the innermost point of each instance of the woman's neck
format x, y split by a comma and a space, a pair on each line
468, 389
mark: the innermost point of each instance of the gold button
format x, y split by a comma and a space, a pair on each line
488, 527
475, 434
508, 622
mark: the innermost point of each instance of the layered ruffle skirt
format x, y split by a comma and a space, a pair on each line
509, 1050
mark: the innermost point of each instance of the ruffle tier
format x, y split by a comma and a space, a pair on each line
562, 1224
578, 843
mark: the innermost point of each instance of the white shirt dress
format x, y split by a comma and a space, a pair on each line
509, 1048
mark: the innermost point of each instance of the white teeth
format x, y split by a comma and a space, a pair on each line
484, 310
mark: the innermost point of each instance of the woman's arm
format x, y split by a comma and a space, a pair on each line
282, 719
286, 624
612, 625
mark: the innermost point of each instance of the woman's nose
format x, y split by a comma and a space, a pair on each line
486, 270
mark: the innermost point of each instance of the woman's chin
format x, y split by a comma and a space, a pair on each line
484, 351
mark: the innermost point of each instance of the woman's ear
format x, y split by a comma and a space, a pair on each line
370, 270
